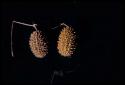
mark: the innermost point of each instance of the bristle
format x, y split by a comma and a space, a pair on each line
66, 42
38, 45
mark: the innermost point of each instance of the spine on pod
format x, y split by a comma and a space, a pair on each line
66, 44
38, 44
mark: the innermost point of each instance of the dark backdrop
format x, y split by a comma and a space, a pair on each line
99, 53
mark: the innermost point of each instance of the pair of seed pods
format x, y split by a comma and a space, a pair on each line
66, 43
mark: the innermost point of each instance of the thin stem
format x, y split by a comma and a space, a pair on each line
23, 23
53, 75
11, 40
64, 24
54, 27
34, 26
60, 25
58, 73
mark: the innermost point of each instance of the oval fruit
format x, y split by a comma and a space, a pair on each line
38, 44
66, 44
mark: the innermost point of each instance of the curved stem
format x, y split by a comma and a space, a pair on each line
34, 26
59, 73
52, 78
61, 24
64, 24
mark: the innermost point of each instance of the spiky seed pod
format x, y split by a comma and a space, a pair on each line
66, 44
38, 44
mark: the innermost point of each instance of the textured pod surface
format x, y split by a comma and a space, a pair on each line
66, 43
38, 44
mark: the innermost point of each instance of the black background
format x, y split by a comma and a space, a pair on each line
99, 53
